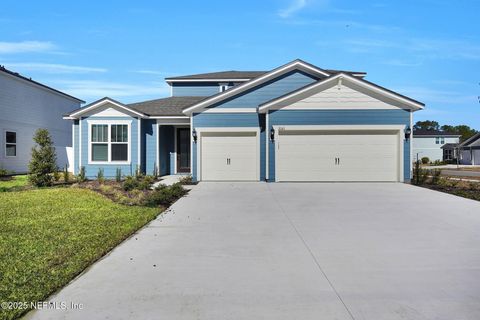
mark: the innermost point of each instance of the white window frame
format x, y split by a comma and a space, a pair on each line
5, 143
109, 123
442, 140
437, 140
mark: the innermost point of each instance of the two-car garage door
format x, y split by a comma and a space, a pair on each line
361, 155
304, 155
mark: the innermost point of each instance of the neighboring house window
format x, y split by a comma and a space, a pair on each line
437, 140
109, 142
448, 154
10, 144
442, 140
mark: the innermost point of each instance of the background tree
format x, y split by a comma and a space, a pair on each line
427, 125
463, 130
44, 159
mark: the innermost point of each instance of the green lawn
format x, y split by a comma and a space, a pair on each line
48, 236
16, 183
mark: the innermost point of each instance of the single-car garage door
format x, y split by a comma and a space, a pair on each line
360, 155
230, 156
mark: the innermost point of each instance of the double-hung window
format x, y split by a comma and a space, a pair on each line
10, 144
437, 140
109, 142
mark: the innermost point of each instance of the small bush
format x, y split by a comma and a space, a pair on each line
100, 175
165, 196
66, 175
138, 183
56, 175
3, 172
118, 175
81, 175
435, 176
187, 180
44, 158
425, 160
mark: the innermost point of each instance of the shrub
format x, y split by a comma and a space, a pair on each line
118, 175
3, 172
66, 175
165, 196
100, 175
139, 183
138, 172
81, 175
43, 162
425, 160
435, 176
56, 175
186, 180
130, 183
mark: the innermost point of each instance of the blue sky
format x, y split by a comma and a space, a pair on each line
426, 49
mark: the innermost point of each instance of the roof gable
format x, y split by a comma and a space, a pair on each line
100, 106
472, 141
365, 90
289, 67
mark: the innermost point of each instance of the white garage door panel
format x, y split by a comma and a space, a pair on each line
240, 148
363, 157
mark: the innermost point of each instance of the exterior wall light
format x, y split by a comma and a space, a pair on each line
194, 135
408, 132
272, 134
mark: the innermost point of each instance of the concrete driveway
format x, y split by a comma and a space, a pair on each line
292, 251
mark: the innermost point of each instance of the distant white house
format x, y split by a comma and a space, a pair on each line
429, 143
25, 106
470, 150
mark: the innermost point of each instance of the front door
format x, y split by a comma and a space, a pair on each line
183, 150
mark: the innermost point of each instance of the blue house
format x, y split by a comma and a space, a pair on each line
297, 122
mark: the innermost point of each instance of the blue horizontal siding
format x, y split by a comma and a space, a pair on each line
149, 146
212, 120
195, 89
338, 117
91, 170
272, 89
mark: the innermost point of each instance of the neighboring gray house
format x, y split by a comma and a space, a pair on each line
25, 106
429, 143
470, 150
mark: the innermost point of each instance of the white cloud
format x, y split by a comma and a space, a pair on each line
26, 46
52, 68
295, 5
98, 89
154, 72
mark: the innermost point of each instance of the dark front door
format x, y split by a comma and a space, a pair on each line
183, 150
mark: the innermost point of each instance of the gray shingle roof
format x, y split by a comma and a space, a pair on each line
172, 106
423, 132
232, 74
